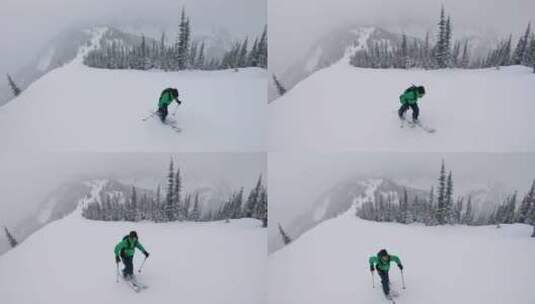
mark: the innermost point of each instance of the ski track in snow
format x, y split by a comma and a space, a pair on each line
443, 264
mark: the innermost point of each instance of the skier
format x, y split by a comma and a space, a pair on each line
166, 98
409, 99
124, 251
381, 263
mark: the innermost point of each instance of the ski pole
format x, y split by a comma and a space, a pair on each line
176, 109
117, 278
402, 280
151, 115
373, 279
143, 263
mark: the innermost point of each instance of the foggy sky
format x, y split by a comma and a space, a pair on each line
297, 180
295, 25
26, 25
27, 178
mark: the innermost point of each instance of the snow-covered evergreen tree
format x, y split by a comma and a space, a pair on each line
285, 238
11, 239
14, 88
468, 216
522, 48
170, 208
280, 88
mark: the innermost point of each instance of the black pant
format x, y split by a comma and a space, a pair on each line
162, 113
128, 265
385, 280
415, 110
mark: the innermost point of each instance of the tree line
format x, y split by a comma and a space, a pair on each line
445, 53
184, 54
442, 207
175, 205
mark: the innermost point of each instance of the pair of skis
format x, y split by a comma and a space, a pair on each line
171, 123
417, 123
133, 283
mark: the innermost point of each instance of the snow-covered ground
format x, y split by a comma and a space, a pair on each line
443, 265
343, 108
80, 108
72, 261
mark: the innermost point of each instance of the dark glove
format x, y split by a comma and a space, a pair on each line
117, 259
146, 254
400, 267
372, 268
179, 102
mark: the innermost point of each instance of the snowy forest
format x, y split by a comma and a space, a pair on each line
442, 207
184, 54
174, 205
446, 53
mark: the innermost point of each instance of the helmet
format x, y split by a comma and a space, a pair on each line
133, 234
382, 253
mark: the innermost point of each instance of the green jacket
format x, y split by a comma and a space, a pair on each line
381, 265
165, 99
410, 96
128, 246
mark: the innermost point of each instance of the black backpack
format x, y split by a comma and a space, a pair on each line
418, 89
172, 91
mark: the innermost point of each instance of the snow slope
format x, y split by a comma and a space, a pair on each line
443, 265
72, 261
80, 108
343, 108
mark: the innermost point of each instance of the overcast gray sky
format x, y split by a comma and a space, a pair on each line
297, 180
27, 178
294, 25
26, 25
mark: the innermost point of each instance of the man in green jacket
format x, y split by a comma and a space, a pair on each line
124, 251
381, 263
409, 99
166, 98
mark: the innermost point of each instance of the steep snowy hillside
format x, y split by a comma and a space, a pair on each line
79, 108
443, 265
72, 261
345, 108
337, 201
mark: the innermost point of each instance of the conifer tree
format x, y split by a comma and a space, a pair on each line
177, 198
522, 47
468, 216
196, 213
449, 199
285, 238
441, 212
11, 239
170, 208
280, 88
14, 88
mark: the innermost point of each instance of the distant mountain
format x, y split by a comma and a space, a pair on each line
57, 52
341, 198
